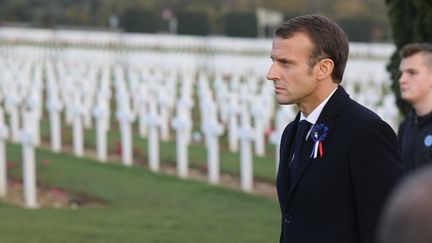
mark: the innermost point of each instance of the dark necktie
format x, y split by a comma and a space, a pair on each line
300, 137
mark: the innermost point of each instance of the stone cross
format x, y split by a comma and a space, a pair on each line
77, 125
182, 124
12, 102
141, 97
233, 113
163, 104
54, 107
105, 89
212, 130
33, 103
125, 117
100, 113
87, 93
29, 166
185, 104
4, 134
257, 111
246, 136
223, 99
68, 95
153, 122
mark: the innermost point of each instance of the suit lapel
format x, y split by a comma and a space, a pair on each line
285, 158
331, 110
287, 152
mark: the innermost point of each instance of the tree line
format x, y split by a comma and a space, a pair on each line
201, 17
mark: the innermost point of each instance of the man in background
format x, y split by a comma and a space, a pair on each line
415, 132
407, 216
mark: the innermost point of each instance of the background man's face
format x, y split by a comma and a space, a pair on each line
416, 78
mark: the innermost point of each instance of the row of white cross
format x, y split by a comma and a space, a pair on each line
167, 41
159, 99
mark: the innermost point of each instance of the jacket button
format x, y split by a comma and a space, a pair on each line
288, 219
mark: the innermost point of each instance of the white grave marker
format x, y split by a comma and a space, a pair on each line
212, 130
246, 136
4, 133
182, 124
233, 112
100, 113
54, 108
29, 166
153, 122
76, 115
125, 117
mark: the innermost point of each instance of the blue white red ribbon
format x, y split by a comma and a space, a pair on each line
318, 135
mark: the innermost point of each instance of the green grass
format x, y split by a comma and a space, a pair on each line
263, 167
142, 207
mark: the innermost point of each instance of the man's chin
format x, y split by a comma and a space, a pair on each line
284, 102
406, 98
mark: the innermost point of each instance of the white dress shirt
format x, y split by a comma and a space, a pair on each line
314, 115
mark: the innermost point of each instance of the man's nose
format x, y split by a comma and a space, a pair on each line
272, 73
402, 78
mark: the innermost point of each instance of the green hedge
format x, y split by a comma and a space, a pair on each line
139, 20
240, 25
192, 23
357, 29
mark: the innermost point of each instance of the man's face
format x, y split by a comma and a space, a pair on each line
416, 79
293, 78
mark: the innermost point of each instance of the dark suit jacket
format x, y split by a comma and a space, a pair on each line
337, 198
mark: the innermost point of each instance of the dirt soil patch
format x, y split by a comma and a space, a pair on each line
50, 197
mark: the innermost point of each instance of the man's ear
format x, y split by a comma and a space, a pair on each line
324, 68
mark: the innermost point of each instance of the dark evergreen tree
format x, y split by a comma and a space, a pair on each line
411, 21
240, 25
193, 23
139, 20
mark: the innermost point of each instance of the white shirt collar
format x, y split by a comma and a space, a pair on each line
314, 115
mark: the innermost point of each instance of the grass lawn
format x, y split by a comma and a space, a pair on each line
142, 207
263, 167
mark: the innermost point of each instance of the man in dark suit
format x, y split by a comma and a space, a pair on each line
333, 188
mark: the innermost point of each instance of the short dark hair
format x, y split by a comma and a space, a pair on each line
414, 48
329, 40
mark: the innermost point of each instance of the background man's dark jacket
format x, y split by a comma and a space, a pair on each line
415, 140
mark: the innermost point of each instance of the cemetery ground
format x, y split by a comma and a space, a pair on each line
133, 205
263, 166
85, 200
